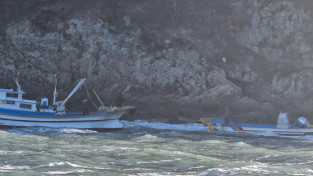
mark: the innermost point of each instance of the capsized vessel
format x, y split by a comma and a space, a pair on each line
300, 127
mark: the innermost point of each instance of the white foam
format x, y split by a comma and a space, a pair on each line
165, 126
66, 172
10, 167
265, 133
28, 130
51, 165
74, 130
56, 164
252, 169
74, 165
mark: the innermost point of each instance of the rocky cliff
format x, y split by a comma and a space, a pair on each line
173, 59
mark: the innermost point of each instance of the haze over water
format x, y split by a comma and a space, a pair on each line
144, 148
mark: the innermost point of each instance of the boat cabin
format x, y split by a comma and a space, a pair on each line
13, 100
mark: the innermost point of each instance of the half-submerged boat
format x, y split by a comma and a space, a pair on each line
18, 112
301, 126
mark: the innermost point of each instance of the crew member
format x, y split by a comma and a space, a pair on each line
86, 108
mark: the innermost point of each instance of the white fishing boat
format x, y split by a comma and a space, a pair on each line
300, 127
18, 112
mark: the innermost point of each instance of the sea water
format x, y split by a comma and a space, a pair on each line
144, 148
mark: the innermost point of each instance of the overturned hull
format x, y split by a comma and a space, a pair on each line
277, 131
220, 125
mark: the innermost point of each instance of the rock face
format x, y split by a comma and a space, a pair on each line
172, 59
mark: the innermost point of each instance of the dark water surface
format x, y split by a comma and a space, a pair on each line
144, 148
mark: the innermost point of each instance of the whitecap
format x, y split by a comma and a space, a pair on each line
56, 164
10, 167
259, 168
147, 138
50, 165
165, 126
32, 130
255, 168
265, 133
74, 165
10, 152
74, 130
66, 172
214, 171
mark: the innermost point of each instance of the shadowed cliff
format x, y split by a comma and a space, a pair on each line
175, 59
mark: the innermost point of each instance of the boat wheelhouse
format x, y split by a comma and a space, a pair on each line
11, 99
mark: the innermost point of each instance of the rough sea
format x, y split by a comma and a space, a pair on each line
144, 148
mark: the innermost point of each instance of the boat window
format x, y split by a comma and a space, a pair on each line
3, 102
12, 95
11, 102
26, 106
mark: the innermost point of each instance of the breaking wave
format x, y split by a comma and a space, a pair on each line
165, 126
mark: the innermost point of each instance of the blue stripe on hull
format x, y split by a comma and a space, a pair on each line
93, 129
56, 121
26, 113
13, 112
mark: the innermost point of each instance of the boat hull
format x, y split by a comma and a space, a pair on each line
100, 121
277, 131
106, 125
219, 125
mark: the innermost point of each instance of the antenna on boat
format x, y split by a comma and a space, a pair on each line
16, 78
19, 88
55, 93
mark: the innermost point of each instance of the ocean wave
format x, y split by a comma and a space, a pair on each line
66, 172
147, 138
10, 167
32, 130
265, 133
53, 164
245, 170
165, 126
74, 130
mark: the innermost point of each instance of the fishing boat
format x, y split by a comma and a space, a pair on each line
18, 112
300, 127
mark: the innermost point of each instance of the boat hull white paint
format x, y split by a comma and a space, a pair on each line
103, 121
96, 125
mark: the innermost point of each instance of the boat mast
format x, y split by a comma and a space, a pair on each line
96, 95
90, 97
80, 83
55, 90
19, 89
